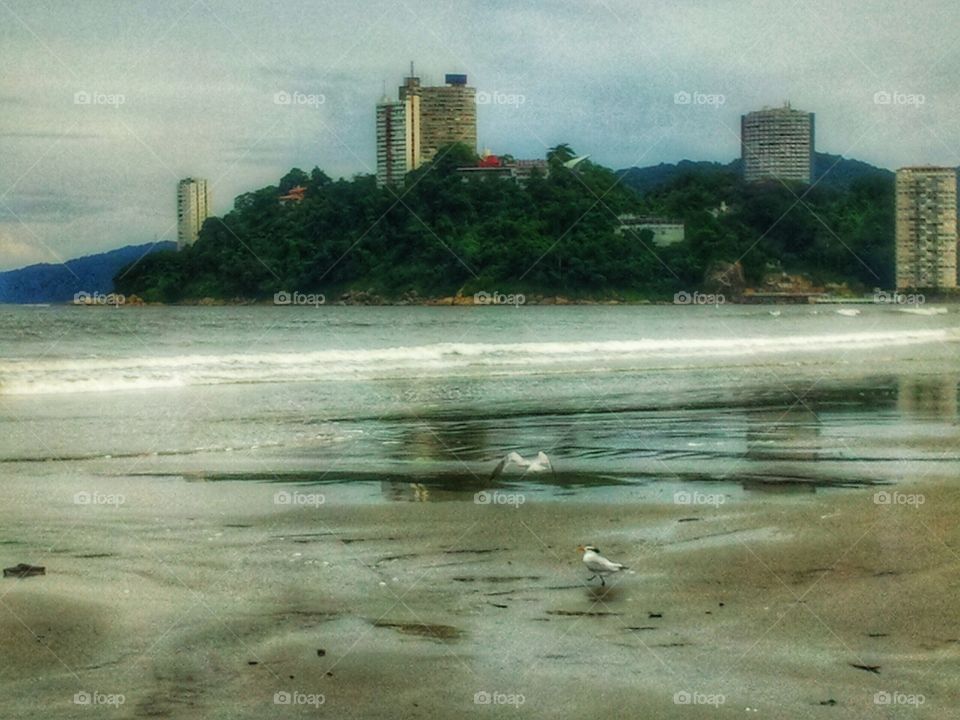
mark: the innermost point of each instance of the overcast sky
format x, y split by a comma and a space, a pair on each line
188, 87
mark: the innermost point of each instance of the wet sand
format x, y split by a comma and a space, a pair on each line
206, 600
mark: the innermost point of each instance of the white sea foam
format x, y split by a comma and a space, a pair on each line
106, 374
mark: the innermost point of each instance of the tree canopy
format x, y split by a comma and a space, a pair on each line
443, 232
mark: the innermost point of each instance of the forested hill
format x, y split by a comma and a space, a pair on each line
443, 233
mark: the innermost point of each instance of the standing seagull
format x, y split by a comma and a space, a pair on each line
541, 464
598, 564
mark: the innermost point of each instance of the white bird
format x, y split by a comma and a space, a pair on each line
848, 312
598, 564
541, 464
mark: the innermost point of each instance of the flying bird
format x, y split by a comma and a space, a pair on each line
541, 464
598, 564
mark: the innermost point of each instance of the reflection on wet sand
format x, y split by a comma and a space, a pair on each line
928, 397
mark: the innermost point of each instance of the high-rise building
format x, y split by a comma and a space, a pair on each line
777, 144
391, 142
193, 207
926, 227
411, 130
448, 114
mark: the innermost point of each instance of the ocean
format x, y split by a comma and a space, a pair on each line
376, 402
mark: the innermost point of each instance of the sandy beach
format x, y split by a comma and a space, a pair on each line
210, 600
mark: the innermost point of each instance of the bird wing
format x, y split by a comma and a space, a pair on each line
544, 460
499, 468
518, 460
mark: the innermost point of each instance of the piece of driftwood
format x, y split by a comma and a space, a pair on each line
22, 570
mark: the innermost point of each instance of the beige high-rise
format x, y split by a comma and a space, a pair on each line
193, 207
426, 118
448, 114
926, 227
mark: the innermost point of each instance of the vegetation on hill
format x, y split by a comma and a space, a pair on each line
442, 233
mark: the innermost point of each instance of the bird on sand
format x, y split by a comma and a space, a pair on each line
540, 464
598, 564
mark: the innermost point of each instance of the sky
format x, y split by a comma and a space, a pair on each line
105, 105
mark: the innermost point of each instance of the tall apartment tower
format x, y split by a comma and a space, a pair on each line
777, 144
448, 114
193, 207
926, 227
411, 130
391, 142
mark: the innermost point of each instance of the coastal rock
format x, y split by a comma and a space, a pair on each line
726, 278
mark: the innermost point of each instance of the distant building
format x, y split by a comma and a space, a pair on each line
493, 166
523, 170
926, 227
777, 144
193, 207
392, 164
448, 114
424, 119
665, 230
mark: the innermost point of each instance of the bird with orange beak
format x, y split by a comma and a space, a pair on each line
598, 564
